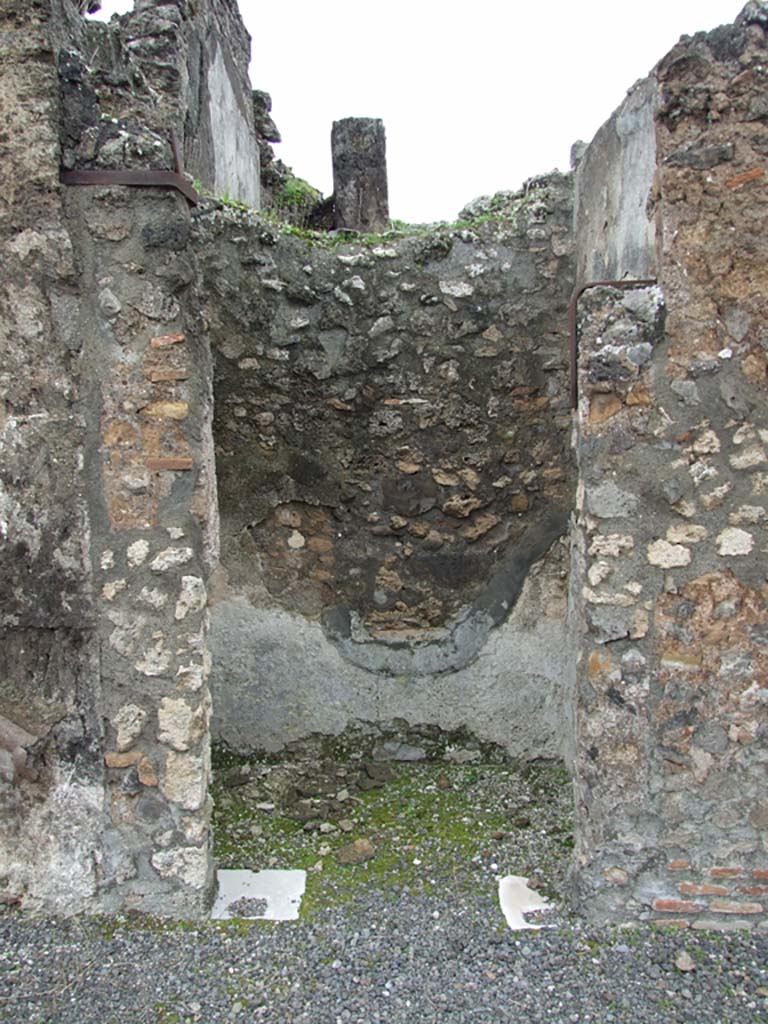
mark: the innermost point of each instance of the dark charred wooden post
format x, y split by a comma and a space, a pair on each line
360, 174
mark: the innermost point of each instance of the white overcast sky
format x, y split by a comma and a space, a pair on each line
475, 96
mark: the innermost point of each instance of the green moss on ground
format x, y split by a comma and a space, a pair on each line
435, 824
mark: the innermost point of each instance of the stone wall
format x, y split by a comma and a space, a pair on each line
671, 542
394, 474
51, 772
108, 499
164, 66
153, 516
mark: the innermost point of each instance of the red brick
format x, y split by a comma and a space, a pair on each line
672, 906
754, 890
171, 374
705, 889
179, 463
147, 773
121, 759
746, 176
761, 874
733, 907
679, 865
167, 339
725, 872
673, 922
166, 409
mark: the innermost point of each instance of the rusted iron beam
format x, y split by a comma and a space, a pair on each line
572, 329
164, 179
139, 177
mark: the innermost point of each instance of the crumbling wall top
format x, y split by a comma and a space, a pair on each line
159, 67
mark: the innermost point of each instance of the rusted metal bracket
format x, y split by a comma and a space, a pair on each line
574, 338
140, 177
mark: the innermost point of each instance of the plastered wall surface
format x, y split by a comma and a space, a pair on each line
614, 191
159, 67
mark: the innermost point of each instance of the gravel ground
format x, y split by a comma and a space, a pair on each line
413, 935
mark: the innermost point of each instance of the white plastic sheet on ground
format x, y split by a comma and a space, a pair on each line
517, 900
262, 895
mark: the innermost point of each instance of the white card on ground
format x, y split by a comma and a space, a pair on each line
263, 895
516, 900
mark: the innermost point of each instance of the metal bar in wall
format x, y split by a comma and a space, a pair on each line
139, 177
166, 179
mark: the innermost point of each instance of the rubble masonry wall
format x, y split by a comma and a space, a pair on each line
669, 549
395, 478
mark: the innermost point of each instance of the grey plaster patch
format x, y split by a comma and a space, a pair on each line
55, 867
613, 183
609, 501
234, 147
608, 624
276, 678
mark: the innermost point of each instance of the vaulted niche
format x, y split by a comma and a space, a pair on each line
394, 477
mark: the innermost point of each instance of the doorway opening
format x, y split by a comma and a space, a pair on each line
389, 616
